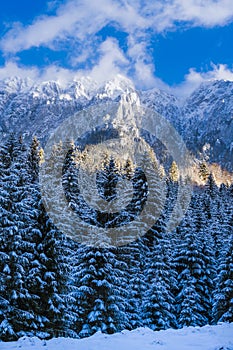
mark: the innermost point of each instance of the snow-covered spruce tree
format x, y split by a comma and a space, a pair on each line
188, 259
54, 296
207, 247
171, 196
215, 230
101, 275
70, 181
210, 187
216, 205
141, 250
206, 288
29, 269
225, 217
159, 302
7, 230
16, 226
211, 194
155, 172
102, 291
137, 251
107, 180
54, 252
134, 255
223, 295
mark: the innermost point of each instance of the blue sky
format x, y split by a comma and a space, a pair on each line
172, 44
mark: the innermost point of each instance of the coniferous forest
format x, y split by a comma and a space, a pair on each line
53, 286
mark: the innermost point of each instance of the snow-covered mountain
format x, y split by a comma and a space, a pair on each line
205, 119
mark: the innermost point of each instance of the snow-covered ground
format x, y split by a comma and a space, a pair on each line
191, 338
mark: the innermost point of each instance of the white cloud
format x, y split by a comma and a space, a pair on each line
112, 61
81, 19
51, 72
76, 24
207, 13
193, 79
11, 68
143, 75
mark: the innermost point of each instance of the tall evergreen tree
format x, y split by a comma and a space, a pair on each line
15, 243
159, 301
189, 265
101, 295
223, 296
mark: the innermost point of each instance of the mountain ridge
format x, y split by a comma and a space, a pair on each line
204, 119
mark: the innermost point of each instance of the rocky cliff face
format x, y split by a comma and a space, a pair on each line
207, 119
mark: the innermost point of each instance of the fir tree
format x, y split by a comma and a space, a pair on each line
101, 296
159, 302
189, 263
223, 296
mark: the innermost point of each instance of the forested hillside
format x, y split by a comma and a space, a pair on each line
52, 286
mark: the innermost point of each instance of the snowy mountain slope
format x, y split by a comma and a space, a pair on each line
28, 108
37, 108
199, 338
205, 120
165, 104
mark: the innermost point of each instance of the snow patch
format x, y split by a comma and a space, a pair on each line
65, 97
188, 338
